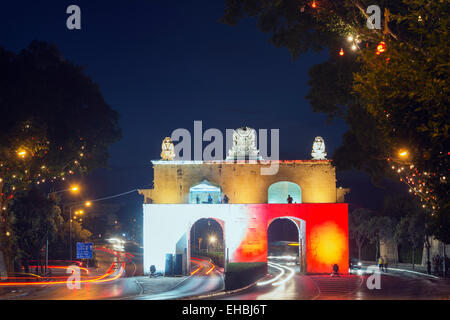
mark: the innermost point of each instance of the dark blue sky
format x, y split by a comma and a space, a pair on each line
164, 64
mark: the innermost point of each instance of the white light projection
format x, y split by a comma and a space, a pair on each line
166, 224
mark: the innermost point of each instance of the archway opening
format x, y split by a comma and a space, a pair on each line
284, 242
205, 192
279, 192
206, 241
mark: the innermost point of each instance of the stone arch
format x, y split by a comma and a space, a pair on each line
278, 192
199, 192
301, 227
191, 225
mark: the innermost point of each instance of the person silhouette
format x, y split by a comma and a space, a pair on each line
289, 199
225, 199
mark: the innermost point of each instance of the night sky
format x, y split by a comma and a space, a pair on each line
164, 64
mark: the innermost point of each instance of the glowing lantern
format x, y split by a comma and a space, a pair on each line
314, 4
381, 47
341, 53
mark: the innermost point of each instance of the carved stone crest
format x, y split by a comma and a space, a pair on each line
244, 145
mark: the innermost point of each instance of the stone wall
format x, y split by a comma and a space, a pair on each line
243, 182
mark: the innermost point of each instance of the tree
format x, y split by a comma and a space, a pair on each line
358, 227
416, 233
33, 219
395, 99
400, 235
60, 126
373, 234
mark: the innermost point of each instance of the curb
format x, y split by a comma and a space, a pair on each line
411, 271
415, 272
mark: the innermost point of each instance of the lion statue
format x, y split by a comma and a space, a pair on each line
167, 149
318, 150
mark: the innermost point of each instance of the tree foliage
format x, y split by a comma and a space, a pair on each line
54, 122
358, 227
394, 100
32, 220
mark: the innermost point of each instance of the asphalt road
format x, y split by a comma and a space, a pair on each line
393, 285
120, 283
206, 280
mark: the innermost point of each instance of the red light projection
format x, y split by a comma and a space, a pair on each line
326, 233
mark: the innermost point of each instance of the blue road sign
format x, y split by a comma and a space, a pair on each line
84, 250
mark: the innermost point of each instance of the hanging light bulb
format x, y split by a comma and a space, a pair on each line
381, 47
314, 4
341, 53
350, 38
354, 47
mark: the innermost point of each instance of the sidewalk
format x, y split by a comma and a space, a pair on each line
403, 266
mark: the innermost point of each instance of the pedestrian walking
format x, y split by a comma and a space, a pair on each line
385, 263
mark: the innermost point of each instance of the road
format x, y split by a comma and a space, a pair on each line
393, 285
115, 279
205, 278
107, 281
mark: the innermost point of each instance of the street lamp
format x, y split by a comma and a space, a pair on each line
403, 153
73, 189
21, 153
212, 240
78, 212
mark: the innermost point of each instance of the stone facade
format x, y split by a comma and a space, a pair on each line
242, 182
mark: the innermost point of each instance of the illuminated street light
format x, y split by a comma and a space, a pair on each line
88, 203
21, 153
74, 188
403, 153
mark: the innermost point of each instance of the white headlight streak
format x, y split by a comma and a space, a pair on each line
263, 283
289, 277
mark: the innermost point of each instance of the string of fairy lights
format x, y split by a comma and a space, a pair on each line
24, 169
418, 183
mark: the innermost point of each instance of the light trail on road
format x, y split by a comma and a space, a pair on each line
201, 262
100, 279
289, 277
263, 283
